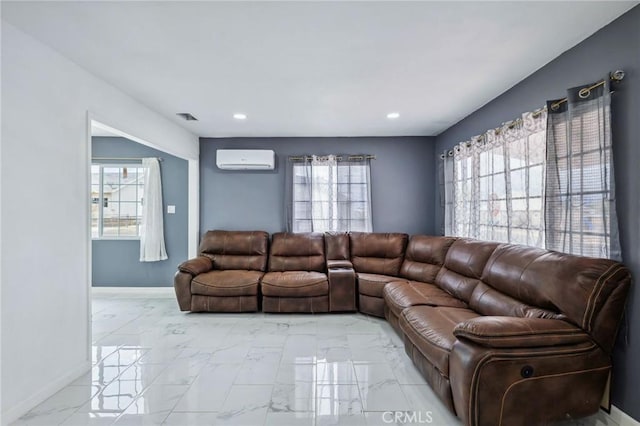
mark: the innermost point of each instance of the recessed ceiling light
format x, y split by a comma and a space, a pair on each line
393, 115
240, 116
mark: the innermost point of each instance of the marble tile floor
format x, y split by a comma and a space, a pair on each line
154, 365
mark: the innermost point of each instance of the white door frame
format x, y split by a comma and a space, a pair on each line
193, 226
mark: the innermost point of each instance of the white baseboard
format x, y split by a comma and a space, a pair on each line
47, 391
617, 417
133, 291
621, 418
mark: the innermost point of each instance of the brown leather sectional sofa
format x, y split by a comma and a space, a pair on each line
504, 334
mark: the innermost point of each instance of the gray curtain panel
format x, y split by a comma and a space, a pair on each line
580, 209
446, 191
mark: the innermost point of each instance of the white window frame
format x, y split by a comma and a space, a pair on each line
100, 235
333, 204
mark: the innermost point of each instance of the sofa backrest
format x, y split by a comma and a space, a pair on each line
586, 291
297, 252
246, 250
463, 266
336, 245
377, 253
424, 257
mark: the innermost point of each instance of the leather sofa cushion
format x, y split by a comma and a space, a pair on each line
424, 257
297, 252
295, 284
373, 284
336, 245
400, 295
377, 253
226, 283
236, 249
463, 267
509, 332
430, 329
489, 301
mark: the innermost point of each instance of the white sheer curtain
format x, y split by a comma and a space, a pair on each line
330, 195
322, 176
152, 248
494, 183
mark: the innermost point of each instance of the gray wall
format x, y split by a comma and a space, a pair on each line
115, 262
616, 46
402, 181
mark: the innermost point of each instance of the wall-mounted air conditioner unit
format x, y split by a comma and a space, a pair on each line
245, 159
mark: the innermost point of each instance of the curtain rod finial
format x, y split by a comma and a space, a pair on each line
617, 75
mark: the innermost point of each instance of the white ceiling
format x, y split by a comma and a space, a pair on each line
313, 68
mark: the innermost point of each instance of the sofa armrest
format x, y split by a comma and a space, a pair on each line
513, 332
196, 266
339, 264
342, 289
182, 286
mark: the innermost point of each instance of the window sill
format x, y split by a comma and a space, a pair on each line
115, 238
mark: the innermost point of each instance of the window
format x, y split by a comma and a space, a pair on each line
120, 187
497, 183
331, 196
581, 215
545, 179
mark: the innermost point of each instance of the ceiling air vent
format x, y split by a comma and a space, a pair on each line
187, 116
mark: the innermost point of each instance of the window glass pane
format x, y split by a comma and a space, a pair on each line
299, 174
128, 223
111, 175
127, 192
302, 226
498, 188
484, 187
121, 202
518, 154
593, 207
95, 214
302, 210
336, 196
518, 183
95, 174
535, 181
301, 192
537, 148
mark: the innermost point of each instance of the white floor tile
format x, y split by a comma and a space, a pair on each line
337, 400
382, 396
90, 419
191, 419
181, 371
295, 373
257, 373
290, 419
335, 373
153, 406
290, 398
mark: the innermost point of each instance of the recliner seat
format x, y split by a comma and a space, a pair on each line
226, 275
376, 259
296, 281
